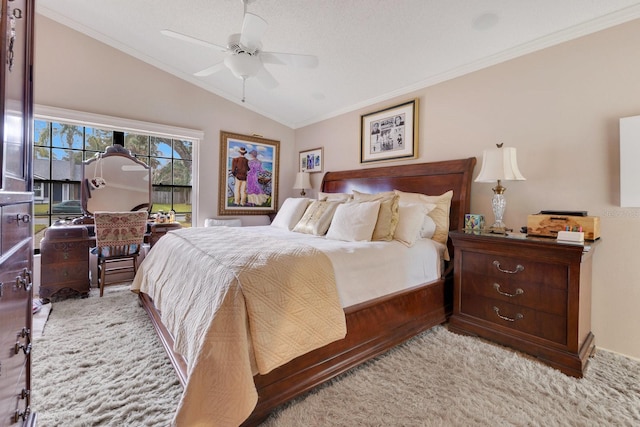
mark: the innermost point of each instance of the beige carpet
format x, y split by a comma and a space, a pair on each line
99, 363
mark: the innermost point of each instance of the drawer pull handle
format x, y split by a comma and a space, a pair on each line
24, 333
519, 291
25, 348
508, 319
518, 269
25, 218
24, 280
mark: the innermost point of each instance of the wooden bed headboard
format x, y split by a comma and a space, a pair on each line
427, 178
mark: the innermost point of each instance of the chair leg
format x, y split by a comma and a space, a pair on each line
102, 276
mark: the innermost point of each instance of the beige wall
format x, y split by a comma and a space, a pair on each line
559, 107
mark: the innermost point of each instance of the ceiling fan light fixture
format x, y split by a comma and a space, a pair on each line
243, 65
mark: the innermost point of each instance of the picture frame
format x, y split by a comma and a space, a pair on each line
311, 160
257, 193
390, 134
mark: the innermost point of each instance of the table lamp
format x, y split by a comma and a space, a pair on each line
499, 164
302, 181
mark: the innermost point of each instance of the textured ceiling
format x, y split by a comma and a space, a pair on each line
368, 50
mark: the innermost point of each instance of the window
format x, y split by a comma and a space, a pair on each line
61, 147
171, 171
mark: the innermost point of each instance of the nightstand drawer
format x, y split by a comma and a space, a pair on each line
524, 319
533, 295
503, 267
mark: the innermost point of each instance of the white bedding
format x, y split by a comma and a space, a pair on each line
367, 270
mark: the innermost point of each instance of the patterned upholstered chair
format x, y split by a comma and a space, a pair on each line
119, 238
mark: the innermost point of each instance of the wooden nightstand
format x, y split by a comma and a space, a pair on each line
531, 294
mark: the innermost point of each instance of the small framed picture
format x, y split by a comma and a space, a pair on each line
473, 222
311, 160
390, 134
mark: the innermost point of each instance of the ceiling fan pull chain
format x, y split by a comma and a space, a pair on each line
244, 80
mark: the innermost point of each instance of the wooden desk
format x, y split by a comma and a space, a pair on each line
66, 260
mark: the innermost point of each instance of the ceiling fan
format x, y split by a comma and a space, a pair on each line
244, 55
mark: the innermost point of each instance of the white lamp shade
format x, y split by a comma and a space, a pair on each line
302, 181
499, 164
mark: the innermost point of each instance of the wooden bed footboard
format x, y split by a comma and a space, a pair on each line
372, 328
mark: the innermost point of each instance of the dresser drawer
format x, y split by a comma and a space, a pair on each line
534, 295
524, 319
67, 232
16, 225
66, 272
520, 269
64, 251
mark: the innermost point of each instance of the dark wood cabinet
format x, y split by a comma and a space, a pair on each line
532, 294
64, 259
16, 211
160, 229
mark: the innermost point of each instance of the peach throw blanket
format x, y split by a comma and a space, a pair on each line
237, 304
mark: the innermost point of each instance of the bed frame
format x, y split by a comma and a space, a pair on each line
374, 326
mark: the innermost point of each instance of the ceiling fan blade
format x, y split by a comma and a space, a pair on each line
266, 78
253, 28
210, 70
294, 59
192, 40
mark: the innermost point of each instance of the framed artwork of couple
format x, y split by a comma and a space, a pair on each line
390, 134
248, 175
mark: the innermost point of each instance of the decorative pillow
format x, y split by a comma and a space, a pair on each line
290, 213
316, 218
334, 197
387, 215
354, 221
428, 228
440, 214
411, 218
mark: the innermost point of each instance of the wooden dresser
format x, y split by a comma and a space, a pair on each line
531, 294
16, 211
64, 260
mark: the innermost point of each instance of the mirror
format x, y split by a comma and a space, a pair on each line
115, 181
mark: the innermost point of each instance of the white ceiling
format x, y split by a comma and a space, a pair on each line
368, 50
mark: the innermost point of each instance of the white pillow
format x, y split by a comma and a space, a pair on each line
428, 228
334, 197
387, 216
316, 218
290, 213
411, 218
440, 214
354, 222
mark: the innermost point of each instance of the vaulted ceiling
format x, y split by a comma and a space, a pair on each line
367, 50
